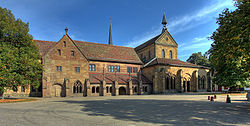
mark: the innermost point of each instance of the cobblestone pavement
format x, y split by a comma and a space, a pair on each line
143, 110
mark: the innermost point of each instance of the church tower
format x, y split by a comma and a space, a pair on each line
110, 34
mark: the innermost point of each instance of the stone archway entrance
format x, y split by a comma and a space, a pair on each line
56, 90
188, 86
122, 91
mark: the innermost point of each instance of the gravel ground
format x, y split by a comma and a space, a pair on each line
143, 110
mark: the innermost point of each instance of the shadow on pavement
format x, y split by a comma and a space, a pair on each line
175, 112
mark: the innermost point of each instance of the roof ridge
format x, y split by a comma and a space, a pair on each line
102, 44
43, 40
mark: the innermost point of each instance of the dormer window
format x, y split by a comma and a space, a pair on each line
64, 43
59, 52
72, 53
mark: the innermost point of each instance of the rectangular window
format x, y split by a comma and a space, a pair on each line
72, 53
59, 68
135, 69
77, 69
129, 69
91, 67
118, 69
114, 68
59, 52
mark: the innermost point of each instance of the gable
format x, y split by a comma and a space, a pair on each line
166, 39
68, 49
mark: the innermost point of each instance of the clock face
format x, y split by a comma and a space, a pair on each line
166, 38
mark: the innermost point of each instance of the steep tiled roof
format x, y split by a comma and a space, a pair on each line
105, 52
96, 51
149, 42
173, 62
97, 78
44, 46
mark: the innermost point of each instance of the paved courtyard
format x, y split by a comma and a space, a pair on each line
144, 110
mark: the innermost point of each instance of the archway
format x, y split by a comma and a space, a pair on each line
122, 91
56, 90
188, 86
77, 88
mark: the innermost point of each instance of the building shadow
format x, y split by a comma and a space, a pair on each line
168, 112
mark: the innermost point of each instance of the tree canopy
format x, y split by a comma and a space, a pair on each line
230, 50
19, 57
199, 59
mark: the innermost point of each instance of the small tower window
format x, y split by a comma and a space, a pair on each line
170, 54
59, 52
72, 53
163, 54
64, 43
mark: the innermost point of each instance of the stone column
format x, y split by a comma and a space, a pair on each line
103, 89
115, 89
66, 87
139, 92
155, 80
195, 80
87, 91
209, 81
129, 88
44, 87
179, 81
164, 84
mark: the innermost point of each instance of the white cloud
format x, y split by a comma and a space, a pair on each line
183, 23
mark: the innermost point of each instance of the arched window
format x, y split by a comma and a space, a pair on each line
22, 89
174, 82
107, 89
77, 88
97, 89
203, 82
170, 54
146, 88
167, 83
93, 89
199, 82
163, 54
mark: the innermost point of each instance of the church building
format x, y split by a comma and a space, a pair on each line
80, 68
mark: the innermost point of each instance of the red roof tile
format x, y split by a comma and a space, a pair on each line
44, 46
96, 51
105, 52
173, 62
97, 78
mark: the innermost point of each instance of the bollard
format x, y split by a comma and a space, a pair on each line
212, 98
208, 98
228, 99
215, 96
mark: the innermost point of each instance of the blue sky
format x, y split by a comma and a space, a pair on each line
133, 21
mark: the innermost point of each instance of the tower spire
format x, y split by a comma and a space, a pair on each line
110, 34
164, 22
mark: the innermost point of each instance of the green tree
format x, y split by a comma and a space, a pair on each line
199, 59
229, 53
19, 57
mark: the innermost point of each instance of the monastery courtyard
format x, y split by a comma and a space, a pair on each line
143, 110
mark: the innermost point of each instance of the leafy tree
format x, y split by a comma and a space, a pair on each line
199, 59
19, 57
229, 53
